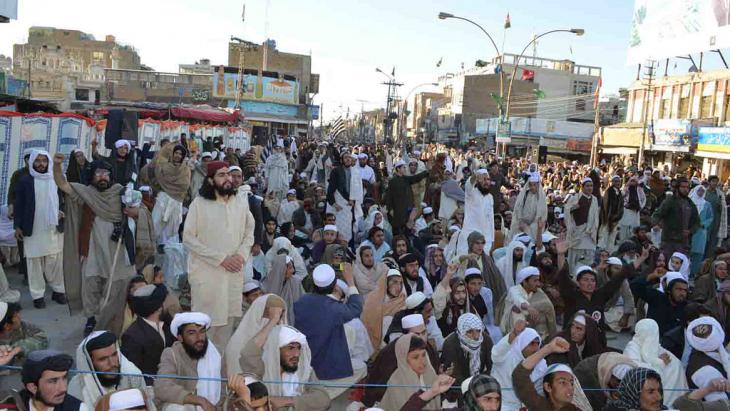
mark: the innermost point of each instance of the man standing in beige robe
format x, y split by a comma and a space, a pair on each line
218, 236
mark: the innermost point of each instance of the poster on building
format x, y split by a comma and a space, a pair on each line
672, 132
667, 28
504, 132
715, 139
254, 87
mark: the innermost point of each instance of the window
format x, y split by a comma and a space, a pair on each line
582, 87
706, 107
580, 105
665, 108
97, 56
683, 107
82, 94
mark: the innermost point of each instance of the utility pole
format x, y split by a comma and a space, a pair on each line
649, 76
596, 125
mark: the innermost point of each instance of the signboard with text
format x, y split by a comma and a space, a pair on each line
504, 132
716, 139
254, 87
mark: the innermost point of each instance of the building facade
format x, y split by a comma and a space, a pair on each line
67, 66
156, 87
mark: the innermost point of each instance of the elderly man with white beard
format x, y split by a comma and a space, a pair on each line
530, 207
478, 211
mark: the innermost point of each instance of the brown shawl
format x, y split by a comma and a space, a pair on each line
376, 307
166, 176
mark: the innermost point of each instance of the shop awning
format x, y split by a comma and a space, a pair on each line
203, 113
619, 150
712, 154
275, 119
674, 149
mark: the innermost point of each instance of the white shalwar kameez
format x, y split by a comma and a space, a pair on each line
478, 216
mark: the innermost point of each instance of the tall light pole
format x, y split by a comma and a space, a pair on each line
444, 16
577, 32
400, 128
392, 87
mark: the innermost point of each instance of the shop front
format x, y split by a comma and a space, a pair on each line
713, 147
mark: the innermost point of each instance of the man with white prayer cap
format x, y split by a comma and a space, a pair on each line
281, 353
416, 304
288, 207
478, 211
619, 310
121, 160
252, 290
37, 222
276, 171
527, 301
130, 399
191, 356
100, 352
424, 220
344, 190
367, 175
530, 208
582, 213
322, 319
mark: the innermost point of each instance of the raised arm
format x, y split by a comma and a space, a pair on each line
58, 176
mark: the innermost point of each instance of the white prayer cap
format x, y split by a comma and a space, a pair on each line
423, 204
362, 156
614, 261
251, 285
330, 227
393, 272
3, 309
547, 237
145, 291
534, 178
144, 188
617, 177
374, 409
427, 210
342, 285
558, 368
291, 192
206, 154
181, 319
472, 271
303, 175
323, 275
234, 168
399, 163
580, 319
582, 269
411, 321
126, 399
288, 335
415, 299
587, 180
416, 153
620, 370
526, 273
454, 228
523, 238
482, 171
121, 143
280, 143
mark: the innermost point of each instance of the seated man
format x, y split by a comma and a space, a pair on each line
21, 336
100, 352
604, 371
468, 350
251, 291
148, 336
481, 301
384, 364
192, 355
526, 301
283, 345
584, 340
417, 303
249, 394
45, 380
329, 236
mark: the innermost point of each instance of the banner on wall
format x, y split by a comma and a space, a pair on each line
667, 28
254, 87
714, 139
51, 132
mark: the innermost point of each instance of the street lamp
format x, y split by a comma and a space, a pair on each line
577, 32
400, 127
443, 16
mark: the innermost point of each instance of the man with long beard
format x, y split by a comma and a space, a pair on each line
37, 222
611, 212
678, 218
581, 220
192, 356
478, 211
218, 236
399, 197
100, 353
123, 167
100, 245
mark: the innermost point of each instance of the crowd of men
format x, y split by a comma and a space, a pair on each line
309, 273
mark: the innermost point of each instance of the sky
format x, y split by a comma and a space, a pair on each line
348, 39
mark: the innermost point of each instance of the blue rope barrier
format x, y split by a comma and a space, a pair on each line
307, 383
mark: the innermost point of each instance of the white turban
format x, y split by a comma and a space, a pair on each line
712, 345
534, 178
415, 299
181, 319
121, 143
399, 163
614, 261
126, 399
411, 321
330, 227
288, 335
206, 154
526, 273
482, 171
323, 275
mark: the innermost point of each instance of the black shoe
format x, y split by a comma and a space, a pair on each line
60, 298
89, 327
39, 303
